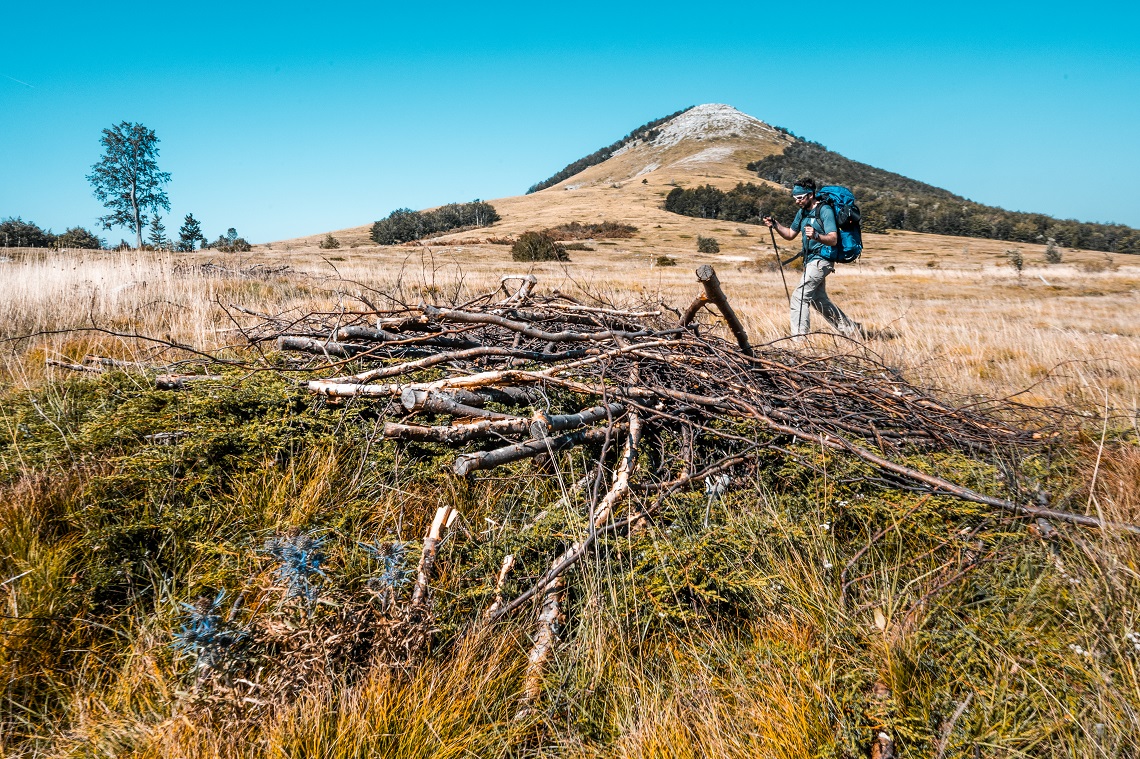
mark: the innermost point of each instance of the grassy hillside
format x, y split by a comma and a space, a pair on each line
892, 201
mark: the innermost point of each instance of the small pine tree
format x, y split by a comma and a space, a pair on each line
1052, 252
329, 243
190, 233
156, 234
1016, 260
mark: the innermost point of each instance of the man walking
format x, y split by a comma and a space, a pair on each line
817, 222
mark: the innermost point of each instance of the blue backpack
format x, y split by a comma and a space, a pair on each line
842, 201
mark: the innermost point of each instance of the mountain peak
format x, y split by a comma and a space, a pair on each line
706, 122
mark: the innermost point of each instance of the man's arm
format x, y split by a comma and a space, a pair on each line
786, 232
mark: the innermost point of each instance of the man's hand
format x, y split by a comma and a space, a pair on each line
810, 233
769, 222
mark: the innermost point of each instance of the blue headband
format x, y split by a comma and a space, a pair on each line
797, 190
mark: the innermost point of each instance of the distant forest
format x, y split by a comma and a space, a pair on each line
892, 201
645, 131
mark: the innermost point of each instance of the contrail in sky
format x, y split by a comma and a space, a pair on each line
17, 81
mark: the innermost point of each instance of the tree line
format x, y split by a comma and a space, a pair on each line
405, 225
892, 201
645, 131
744, 203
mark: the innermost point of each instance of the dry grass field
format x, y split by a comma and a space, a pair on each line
123, 509
951, 312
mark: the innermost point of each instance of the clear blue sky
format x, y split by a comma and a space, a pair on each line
283, 119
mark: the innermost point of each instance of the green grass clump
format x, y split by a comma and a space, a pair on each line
794, 614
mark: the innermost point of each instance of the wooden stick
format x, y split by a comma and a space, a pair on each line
545, 638
713, 291
523, 328
508, 562
443, 517
598, 519
466, 463
459, 433
335, 389
73, 367
694, 307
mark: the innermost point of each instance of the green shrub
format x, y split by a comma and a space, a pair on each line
537, 246
577, 231
78, 237
666, 261
329, 243
707, 245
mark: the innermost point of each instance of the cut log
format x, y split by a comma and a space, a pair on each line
437, 402
457, 433
182, 381
467, 463
319, 347
542, 425
335, 389
715, 294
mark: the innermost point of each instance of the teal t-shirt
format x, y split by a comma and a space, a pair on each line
822, 217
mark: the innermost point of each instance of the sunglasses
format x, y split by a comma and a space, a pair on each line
800, 197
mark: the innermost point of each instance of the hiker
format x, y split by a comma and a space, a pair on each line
817, 221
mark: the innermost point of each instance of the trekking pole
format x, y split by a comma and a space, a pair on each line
776, 251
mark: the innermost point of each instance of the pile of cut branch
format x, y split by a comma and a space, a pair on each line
648, 377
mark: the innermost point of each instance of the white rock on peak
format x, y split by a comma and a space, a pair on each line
705, 122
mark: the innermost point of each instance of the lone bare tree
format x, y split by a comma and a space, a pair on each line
127, 180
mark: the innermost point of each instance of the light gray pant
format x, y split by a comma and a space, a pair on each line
812, 293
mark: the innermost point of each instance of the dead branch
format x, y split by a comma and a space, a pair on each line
444, 517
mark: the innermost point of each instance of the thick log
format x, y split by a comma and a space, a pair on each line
437, 402
335, 389
542, 425
364, 332
467, 463
715, 294
458, 433
318, 347
377, 334
523, 328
